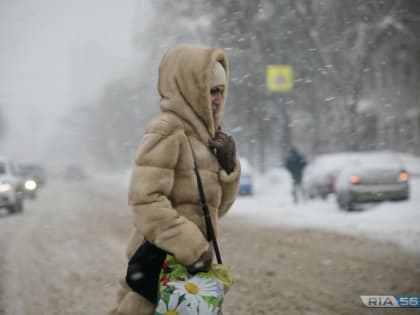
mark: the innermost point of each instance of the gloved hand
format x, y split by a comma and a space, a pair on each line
203, 264
225, 150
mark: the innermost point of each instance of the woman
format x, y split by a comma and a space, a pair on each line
163, 190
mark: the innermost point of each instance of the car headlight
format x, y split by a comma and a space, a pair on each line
30, 185
5, 187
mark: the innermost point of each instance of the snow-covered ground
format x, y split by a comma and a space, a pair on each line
272, 204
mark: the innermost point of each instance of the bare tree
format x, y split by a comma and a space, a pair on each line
370, 26
356, 75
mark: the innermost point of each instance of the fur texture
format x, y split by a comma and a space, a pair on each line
163, 190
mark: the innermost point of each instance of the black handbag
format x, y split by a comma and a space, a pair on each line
143, 270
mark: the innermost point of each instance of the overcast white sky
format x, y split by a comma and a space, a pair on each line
38, 41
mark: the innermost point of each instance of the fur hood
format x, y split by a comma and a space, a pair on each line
184, 86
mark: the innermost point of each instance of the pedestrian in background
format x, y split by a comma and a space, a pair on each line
163, 190
295, 163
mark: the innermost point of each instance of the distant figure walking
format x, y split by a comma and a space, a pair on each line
295, 163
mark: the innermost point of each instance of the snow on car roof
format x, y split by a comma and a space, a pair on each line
330, 163
343, 159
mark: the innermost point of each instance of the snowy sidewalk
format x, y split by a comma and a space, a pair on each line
390, 221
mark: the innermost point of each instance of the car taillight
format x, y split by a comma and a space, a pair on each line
354, 179
403, 176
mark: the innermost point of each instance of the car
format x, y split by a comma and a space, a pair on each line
11, 187
34, 177
321, 172
376, 177
246, 182
35, 172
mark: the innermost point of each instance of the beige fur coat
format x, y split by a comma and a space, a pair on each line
163, 190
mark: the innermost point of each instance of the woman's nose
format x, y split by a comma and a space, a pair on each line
218, 96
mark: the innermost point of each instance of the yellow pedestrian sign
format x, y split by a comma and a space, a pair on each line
279, 78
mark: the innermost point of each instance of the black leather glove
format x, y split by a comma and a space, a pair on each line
203, 264
225, 150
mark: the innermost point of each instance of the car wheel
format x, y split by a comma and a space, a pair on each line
344, 205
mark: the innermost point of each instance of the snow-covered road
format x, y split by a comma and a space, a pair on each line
66, 252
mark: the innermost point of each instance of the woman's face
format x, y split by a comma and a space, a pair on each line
217, 98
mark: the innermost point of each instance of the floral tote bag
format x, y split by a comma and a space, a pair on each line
181, 293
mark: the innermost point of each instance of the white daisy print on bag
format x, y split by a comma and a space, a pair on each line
173, 308
206, 309
195, 288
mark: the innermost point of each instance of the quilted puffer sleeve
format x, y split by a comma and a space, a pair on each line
230, 186
151, 183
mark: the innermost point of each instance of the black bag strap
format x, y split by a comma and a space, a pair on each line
203, 203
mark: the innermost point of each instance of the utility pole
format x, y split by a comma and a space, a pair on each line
284, 127
279, 82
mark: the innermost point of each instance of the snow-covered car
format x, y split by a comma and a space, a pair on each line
374, 178
320, 174
246, 182
11, 187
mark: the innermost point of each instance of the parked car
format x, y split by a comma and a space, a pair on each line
374, 178
11, 187
246, 182
321, 172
